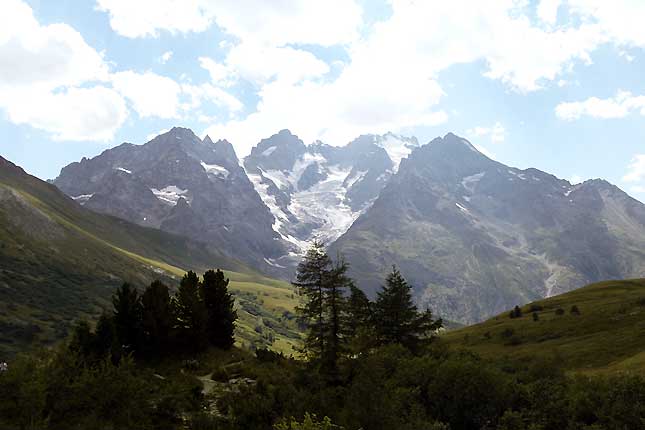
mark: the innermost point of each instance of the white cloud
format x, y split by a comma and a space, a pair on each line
41, 71
575, 179
547, 10
212, 94
497, 132
73, 114
165, 57
636, 169
619, 106
150, 94
276, 23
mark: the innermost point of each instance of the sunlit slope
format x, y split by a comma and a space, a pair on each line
607, 335
60, 262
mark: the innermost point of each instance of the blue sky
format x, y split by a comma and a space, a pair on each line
550, 84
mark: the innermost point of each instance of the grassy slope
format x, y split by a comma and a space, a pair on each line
607, 336
60, 262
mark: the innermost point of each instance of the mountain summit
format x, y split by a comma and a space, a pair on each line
472, 235
476, 237
181, 184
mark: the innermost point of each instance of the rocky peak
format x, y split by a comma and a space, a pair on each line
278, 152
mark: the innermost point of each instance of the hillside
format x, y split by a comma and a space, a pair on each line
608, 335
60, 262
475, 236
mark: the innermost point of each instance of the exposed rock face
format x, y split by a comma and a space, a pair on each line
181, 184
472, 235
317, 191
476, 237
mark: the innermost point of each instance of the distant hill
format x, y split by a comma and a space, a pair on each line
60, 262
608, 334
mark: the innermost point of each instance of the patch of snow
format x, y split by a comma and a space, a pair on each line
83, 198
466, 198
268, 151
270, 262
522, 176
462, 208
357, 177
124, 170
469, 182
262, 189
216, 170
397, 148
169, 195
178, 138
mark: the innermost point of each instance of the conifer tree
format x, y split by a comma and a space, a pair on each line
157, 317
311, 276
220, 309
335, 304
398, 320
360, 321
190, 312
127, 317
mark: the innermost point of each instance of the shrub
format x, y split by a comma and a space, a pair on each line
506, 333
559, 311
575, 310
536, 308
516, 312
536, 316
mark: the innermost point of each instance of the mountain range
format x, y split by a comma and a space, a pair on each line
472, 235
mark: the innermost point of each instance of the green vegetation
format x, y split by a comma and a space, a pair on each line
60, 263
596, 329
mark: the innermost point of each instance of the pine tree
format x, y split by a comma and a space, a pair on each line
397, 317
312, 274
105, 339
127, 317
220, 307
334, 323
190, 312
360, 321
359, 309
157, 317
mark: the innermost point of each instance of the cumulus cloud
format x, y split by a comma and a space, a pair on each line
72, 114
276, 23
41, 70
635, 169
619, 106
150, 94
496, 132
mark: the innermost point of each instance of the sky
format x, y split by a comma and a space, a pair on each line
552, 84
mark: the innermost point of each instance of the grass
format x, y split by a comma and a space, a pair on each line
60, 262
607, 336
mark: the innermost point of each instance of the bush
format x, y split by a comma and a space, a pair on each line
536, 308
516, 312
575, 310
559, 311
536, 316
506, 333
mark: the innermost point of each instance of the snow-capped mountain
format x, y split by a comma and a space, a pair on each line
317, 191
475, 237
182, 184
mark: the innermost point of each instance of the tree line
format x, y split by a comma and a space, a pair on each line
155, 323
341, 322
